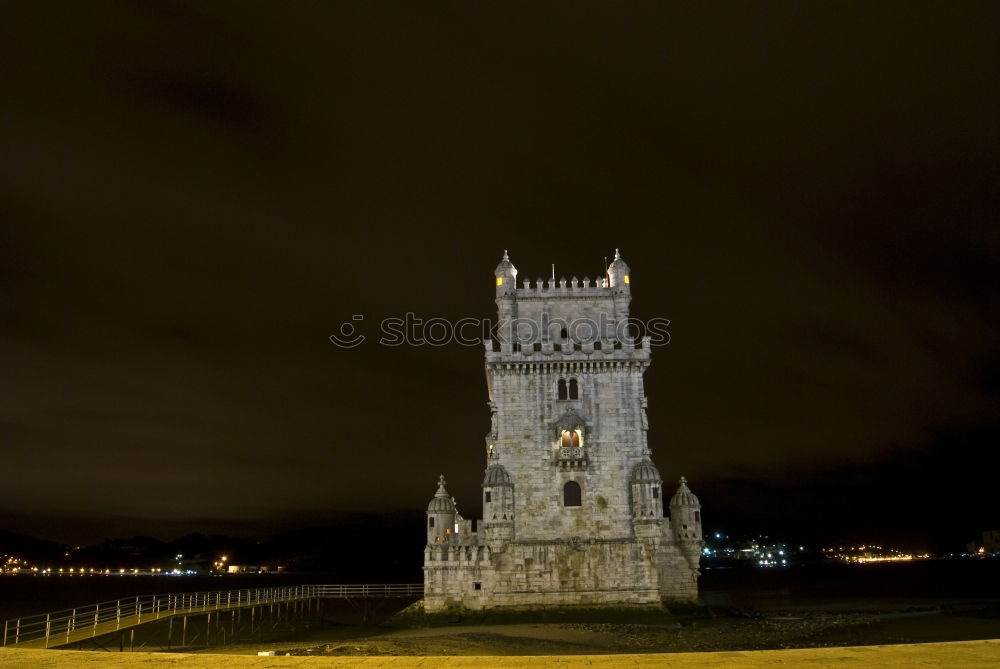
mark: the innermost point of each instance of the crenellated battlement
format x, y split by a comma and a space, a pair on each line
603, 350
562, 288
456, 554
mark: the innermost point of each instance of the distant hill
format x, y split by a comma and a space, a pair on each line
29, 548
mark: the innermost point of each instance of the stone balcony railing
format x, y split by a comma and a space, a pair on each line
571, 457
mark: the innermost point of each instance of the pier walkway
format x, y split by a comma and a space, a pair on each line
61, 628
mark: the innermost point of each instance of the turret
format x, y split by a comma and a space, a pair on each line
506, 277
498, 506
647, 486
685, 521
440, 515
618, 276
498, 496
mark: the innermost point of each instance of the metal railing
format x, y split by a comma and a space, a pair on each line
62, 627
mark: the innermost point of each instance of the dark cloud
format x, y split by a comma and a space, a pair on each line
193, 198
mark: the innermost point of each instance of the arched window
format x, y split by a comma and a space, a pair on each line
562, 389
697, 516
574, 390
572, 496
563, 334
569, 439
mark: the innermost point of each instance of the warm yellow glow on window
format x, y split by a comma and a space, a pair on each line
499, 280
571, 439
626, 278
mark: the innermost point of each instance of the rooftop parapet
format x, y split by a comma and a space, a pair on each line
563, 288
615, 281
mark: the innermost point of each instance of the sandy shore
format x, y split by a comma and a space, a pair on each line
953, 654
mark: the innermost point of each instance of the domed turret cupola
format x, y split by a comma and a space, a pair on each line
618, 275
440, 515
685, 521
647, 491
496, 475
506, 277
498, 495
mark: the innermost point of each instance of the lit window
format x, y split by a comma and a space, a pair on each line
500, 281
626, 279
570, 439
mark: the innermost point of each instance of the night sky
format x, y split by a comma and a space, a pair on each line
194, 196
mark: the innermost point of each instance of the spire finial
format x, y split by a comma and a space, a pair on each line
618, 256
684, 482
441, 491
505, 255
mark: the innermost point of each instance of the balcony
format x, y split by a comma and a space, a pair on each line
571, 457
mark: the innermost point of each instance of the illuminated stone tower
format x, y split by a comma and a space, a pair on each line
573, 511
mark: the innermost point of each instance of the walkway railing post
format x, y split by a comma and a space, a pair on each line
97, 610
48, 628
138, 609
69, 624
118, 614
5, 632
